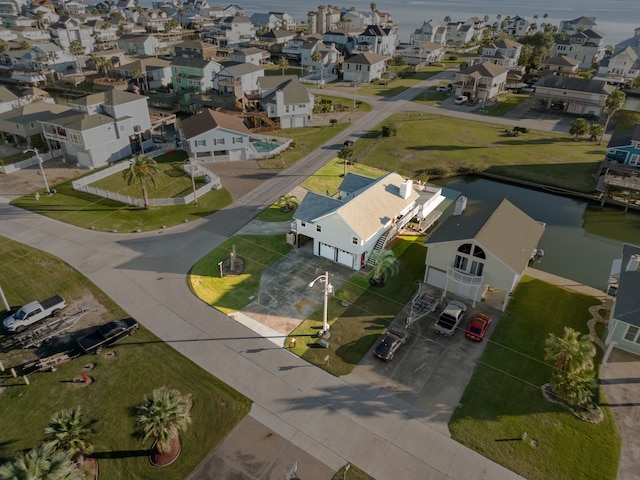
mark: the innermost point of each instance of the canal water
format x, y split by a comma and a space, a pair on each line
580, 239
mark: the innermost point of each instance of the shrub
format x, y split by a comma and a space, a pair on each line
389, 130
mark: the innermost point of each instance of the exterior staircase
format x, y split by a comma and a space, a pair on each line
382, 241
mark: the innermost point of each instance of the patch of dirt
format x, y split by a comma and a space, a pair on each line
158, 459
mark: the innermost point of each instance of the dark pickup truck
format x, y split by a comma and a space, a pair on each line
107, 334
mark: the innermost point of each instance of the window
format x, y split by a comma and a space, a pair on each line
303, 224
354, 240
75, 138
479, 253
318, 228
632, 334
476, 268
635, 159
466, 249
461, 263
32, 125
201, 143
218, 141
237, 140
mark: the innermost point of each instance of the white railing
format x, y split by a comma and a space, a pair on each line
458, 276
283, 144
29, 162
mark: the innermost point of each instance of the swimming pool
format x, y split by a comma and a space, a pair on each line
261, 146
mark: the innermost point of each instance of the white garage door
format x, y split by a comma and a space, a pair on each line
299, 122
436, 277
327, 251
345, 258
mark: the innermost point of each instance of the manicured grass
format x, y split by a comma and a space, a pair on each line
88, 211
356, 327
398, 85
172, 180
232, 293
143, 363
339, 104
273, 214
503, 398
505, 103
432, 145
626, 120
328, 178
431, 97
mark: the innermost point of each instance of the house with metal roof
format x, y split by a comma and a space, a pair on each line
623, 331
483, 248
362, 218
286, 100
216, 136
100, 128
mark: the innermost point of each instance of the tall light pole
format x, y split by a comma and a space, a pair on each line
328, 288
193, 181
44, 177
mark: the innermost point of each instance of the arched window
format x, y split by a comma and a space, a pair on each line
470, 263
465, 248
479, 253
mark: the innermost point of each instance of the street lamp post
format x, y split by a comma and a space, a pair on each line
328, 288
193, 181
44, 177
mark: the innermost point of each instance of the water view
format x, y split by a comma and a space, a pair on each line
580, 240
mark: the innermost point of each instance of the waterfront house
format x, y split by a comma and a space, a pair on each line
378, 40
144, 45
503, 52
67, 30
195, 49
481, 250
216, 136
325, 69
286, 100
586, 45
424, 53
576, 96
322, 20
518, 27
623, 331
364, 67
20, 125
622, 160
560, 65
365, 216
623, 66
431, 31
193, 73
483, 80
569, 27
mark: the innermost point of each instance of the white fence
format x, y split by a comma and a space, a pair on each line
14, 167
283, 144
83, 185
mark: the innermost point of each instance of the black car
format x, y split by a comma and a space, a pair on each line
348, 143
107, 334
389, 344
473, 101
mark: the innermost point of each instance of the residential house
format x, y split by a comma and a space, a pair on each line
482, 249
34, 94
20, 125
569, 27
193, 73
8, 100
195, 49
215, 136
32, 35
238, 79
367, 214
198, 7
231, 32
253, 55
277, 37
378, 40
325, 18
154, 72
293, 48
74, 8
41, 60
153, 19
12, 8
68, 30
47, 15
364, 67
560, 65
621, 67
100, 128
286, 100
105, 34
577, 96
43, 3
273, 21
623, 154
518, 27
233, 10
586, 46
459, 33
325, 69
483, 80
8, 35
633, 42
144, 45
623, 330
503, 52
423, 53
430, 31
355, 21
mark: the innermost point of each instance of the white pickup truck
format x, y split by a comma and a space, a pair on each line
33, 312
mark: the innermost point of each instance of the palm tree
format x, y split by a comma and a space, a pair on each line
38, 16
68, 430
181, 11
384, 264
162, 415
143, 172
43, 462
613, 103
317, 57
287, 202
595, 132
4, 46
346, 153
25, 45
579, 127
447, 19
76, 48
373, 6
283, 63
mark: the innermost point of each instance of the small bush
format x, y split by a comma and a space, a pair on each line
389, 130
521, 129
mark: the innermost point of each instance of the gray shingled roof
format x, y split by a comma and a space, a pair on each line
209, 120
354, 182
6, 95
575, 84
627, 306
81, 121
499, 227
366, 58
314, 206
293, 90
486, 69
239, 69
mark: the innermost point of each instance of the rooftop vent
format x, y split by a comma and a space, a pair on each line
634, 263
461, 205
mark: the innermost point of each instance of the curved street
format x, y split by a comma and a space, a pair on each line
334, 421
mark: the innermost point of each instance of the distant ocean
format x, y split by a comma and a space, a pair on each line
615, 18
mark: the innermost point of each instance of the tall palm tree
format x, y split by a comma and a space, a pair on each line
447, 19
317, 57
76, 48
572, 352
69, 430
384, 264
345, 153
143, 171
43, 462
373, 6
162, 415
613, 103
283, 63
38, 16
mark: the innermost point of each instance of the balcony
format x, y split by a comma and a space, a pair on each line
229, 82
461, 277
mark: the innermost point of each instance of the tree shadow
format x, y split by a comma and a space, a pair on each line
121, 454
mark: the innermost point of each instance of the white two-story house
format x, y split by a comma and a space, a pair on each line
286, 100
503, 52
216, 136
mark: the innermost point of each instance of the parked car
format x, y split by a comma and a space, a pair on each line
450, 318
478, 327
461, 99
526, 90
107, 334
473, 101
348, 143
33, 312
442, 89
389, 344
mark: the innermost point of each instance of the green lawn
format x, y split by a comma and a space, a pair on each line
505, 103
273, 214
232, 293
398, 85
431, 97
324, 103
172, 180
143, 363
328, 178
503, 398
356, 327
433, 145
